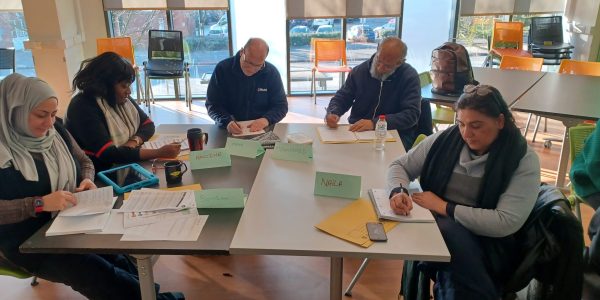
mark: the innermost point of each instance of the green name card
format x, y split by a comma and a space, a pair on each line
244, 148
293, 152
211, 158
337, 185
220, 198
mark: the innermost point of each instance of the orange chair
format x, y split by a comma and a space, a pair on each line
123, 47
521, 63
329, 51
525, 64
576, 67
507, 39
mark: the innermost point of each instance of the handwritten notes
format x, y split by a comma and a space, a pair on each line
220, 198
337, 185
211, 158
244, 148
293, 152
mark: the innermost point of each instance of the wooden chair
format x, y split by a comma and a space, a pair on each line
123, 47
507, 39
329, 51
525, 64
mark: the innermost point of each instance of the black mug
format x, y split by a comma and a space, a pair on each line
196, 139
173, 172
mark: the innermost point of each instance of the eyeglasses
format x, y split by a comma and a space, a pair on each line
255, 66
481, 90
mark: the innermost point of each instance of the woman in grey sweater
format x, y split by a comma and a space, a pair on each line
480, 179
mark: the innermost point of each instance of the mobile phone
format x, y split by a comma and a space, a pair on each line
376, 232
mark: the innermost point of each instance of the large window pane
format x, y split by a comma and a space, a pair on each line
475, 33
302, 31
136, 24
13, 31
206, 42
363, 34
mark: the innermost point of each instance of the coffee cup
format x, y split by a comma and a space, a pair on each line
174, 172
197, 139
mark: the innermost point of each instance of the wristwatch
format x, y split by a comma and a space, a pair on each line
399, 189
38, 205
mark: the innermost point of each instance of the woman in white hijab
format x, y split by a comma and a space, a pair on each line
41, 165
103, 118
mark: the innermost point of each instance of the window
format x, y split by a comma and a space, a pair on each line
206, 42
301, 32
205, 35
363, 34
13, 31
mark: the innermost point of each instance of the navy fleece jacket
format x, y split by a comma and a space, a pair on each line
230, 92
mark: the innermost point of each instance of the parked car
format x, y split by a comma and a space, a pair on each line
299, 22
218, 32
360, 33
299, 30
324, 29
318, 22
380, 30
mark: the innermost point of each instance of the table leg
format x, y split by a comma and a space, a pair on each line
144, 264
565, 150
335, 278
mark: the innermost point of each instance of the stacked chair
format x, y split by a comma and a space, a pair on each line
546, 40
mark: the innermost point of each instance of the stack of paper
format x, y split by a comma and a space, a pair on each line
343, 135
165, 139
89, 215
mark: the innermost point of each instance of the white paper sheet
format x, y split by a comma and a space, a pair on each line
90, 202
246, 130
181, 229
342, 134
381, 203
165, 139
188, 206
79, 224
153, 200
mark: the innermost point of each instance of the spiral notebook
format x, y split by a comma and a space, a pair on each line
381, 204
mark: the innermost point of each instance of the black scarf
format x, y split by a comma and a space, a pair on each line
504, 157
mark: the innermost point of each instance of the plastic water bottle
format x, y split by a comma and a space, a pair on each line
380, 133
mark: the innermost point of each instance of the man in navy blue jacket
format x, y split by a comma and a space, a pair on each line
246, 87
382, 85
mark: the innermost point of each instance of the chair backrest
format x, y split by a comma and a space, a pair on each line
577, 67
425, 79
521, 63
546, 29
577, 137
508, 35
7, 59
330, 50
165, 44
120, 45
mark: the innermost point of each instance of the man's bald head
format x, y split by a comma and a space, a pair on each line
253, 56
258, 46
392, 47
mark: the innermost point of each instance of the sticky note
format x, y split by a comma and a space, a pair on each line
337, 185
220, 198
292, 152
244, 148
211, 158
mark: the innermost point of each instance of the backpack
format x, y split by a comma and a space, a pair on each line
451, 69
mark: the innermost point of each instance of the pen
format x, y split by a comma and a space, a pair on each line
234, 121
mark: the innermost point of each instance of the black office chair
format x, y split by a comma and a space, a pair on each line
166, 61
546, 40
7, 59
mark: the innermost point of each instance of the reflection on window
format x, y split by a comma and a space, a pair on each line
205, 43
363, 34
13, 32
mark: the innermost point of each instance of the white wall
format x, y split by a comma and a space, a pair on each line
584, 28
264, 19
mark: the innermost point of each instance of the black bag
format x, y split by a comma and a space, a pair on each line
451, 69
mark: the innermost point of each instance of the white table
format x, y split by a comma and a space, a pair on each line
282, 211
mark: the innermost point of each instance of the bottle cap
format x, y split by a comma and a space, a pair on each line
381, 117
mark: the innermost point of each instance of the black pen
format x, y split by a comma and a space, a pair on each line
234, 121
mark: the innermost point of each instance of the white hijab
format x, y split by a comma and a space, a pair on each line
123, 120
18, 96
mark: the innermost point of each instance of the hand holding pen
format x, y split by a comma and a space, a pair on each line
233, 126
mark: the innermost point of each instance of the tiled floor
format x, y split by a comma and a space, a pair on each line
268, 277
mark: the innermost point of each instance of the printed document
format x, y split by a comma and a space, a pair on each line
186, 228
90, 202
145, 200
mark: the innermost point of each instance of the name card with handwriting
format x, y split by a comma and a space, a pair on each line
210, 158
337, 185
244, 148
293, 152
220, 198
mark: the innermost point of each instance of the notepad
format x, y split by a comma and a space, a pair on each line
381, 204
343, 135
245, 125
